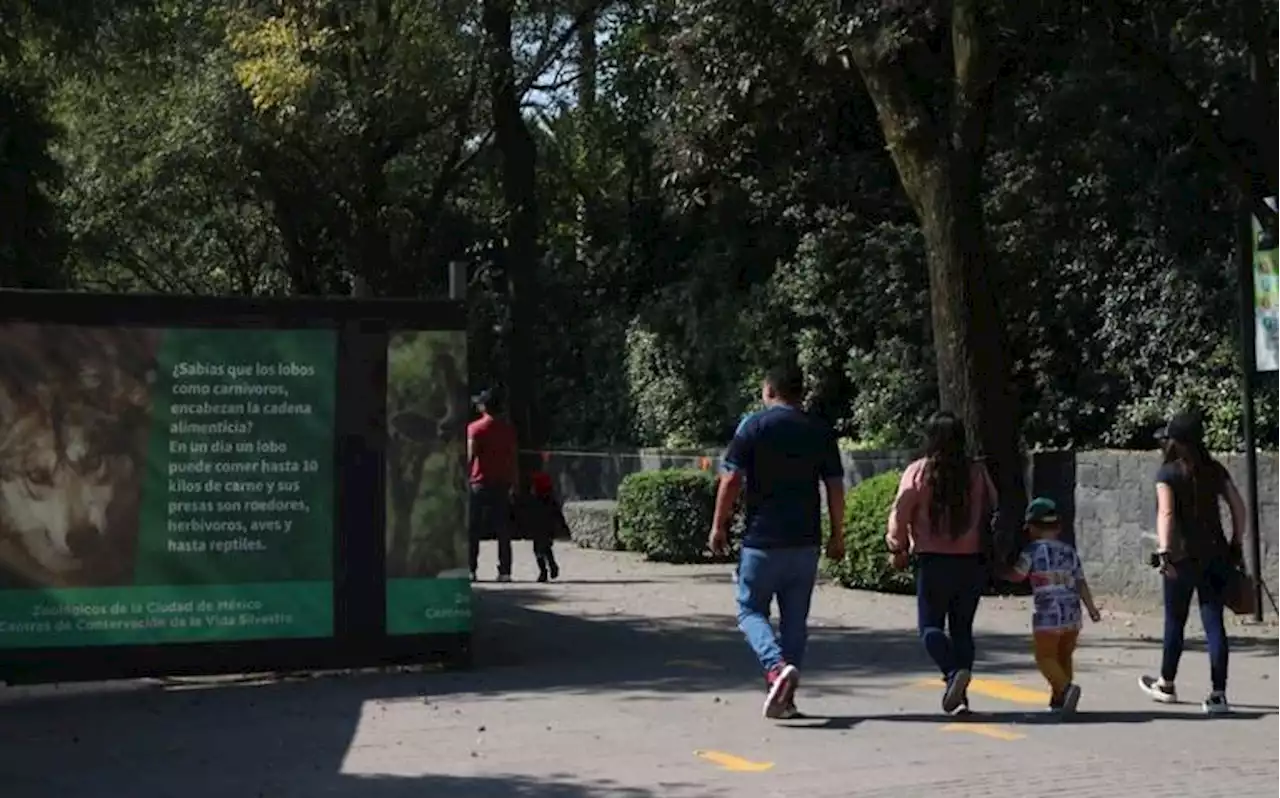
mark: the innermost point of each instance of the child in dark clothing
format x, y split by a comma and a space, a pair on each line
540, 516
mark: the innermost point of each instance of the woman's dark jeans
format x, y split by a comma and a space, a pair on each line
948, 589
1209, 582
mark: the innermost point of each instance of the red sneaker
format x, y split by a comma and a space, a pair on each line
782, 681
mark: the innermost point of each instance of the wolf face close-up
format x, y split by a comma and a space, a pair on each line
74, 410
57, 481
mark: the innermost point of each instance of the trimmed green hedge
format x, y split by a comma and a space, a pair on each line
666, 515
593, 524
866, 562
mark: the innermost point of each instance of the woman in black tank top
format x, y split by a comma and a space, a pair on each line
1194, 555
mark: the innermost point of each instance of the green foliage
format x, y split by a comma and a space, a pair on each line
713, 187
666, 515
592, 524
32, 241
426, 510
866, 562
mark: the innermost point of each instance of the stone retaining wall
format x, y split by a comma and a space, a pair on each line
590, 476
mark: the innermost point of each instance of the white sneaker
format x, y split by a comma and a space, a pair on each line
789, 712
963, 709
1158, 689
1216, 704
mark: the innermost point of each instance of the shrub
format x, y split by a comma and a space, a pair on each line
592, 524
665, 515
866, 562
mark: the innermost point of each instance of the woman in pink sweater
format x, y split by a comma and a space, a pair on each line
938, 519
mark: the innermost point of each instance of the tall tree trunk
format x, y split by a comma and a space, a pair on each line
938, 154
518, 152
588, 63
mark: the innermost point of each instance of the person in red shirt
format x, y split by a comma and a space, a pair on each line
494, 475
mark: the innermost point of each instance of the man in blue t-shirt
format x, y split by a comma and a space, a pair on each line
780, 455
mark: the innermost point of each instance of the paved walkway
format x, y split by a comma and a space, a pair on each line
629, 680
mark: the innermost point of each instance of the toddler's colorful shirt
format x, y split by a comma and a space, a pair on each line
1053, 568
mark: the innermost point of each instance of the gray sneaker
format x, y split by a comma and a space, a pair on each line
957, 690
1216, 704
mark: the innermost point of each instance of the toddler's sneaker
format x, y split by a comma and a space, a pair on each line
1159, 690
1070, 698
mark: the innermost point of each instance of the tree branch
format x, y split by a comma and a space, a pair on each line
911, 133
1135, 49
976, 67
548, 54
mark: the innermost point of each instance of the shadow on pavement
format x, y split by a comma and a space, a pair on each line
1019, 718
282, 737
1261, 646
522, 643
287, 739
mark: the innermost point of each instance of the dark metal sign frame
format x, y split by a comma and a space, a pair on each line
359, 576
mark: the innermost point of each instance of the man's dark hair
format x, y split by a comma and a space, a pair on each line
490, 400
787, 381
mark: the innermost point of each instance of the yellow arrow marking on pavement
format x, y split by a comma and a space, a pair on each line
696, 664
984, 729
994, 688
734, 763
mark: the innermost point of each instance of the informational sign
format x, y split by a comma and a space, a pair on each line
427, 548
165, 485
1266, 296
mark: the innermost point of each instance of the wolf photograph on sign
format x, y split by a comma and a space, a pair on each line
427, 413
75, 412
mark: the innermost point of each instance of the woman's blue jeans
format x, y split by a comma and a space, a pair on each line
948, 589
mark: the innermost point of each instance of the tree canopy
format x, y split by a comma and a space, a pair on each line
1023, 211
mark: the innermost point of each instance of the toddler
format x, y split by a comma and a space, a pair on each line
1058, 587
541, 517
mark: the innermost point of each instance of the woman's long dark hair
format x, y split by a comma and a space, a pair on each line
1205, 476
947, 472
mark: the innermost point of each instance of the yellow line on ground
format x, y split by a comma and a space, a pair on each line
995, 688
696, 664
984, 729
734, 763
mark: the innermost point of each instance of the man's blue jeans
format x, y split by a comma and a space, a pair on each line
789, 575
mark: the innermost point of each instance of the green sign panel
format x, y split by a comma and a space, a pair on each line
428, 581
165, 486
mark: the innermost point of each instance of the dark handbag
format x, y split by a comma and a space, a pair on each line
1240, 595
